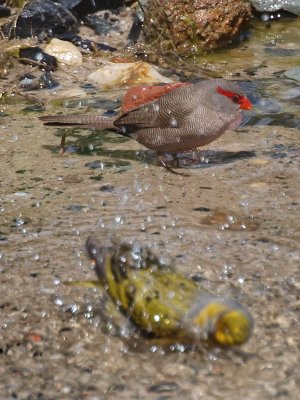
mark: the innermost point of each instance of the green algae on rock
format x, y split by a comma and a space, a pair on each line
191, 27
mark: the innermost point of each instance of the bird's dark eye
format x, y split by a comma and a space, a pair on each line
235, 98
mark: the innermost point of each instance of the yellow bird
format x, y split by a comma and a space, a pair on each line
163, 303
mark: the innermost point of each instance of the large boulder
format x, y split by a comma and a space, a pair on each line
193, 26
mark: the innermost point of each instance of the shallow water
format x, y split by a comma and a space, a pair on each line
233, 223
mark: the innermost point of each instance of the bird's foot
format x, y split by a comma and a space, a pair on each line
169, 162
192, 158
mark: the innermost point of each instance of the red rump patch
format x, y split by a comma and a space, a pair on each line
140, 95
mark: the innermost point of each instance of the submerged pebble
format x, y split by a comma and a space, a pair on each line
106, 164
293, 73
230, 221
164, 387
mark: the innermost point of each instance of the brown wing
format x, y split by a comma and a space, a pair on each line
169, 110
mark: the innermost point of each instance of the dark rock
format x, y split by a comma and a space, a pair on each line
71, 4
107, 188
41, 16
36, 56
105, 47
81, 8
85, 44
101, 25
45, 81
135, 30
4, 11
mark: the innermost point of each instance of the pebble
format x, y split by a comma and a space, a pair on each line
73, 178
163, 387
65, 52
258, 161
259, 185
127, 74
107, 188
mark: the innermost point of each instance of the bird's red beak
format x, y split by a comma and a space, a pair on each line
245, 103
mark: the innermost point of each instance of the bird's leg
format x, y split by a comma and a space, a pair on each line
169, 163
63, 143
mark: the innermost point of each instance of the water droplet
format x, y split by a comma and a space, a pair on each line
58, 301
119, 220
171, 295
173, 122
74, 309
227, 269
244, 203
231, 219
66, 389
142, 228
19, 222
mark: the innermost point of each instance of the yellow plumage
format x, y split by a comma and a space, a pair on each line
166, 304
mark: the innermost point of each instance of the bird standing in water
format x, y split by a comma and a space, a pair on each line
165, 304
175, 118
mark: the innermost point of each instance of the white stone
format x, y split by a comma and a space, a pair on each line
65, 52
127, 74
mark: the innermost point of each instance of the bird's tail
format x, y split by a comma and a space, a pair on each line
84, 121
102, 257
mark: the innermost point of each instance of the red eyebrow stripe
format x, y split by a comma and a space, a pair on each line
226, 93
243, 101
